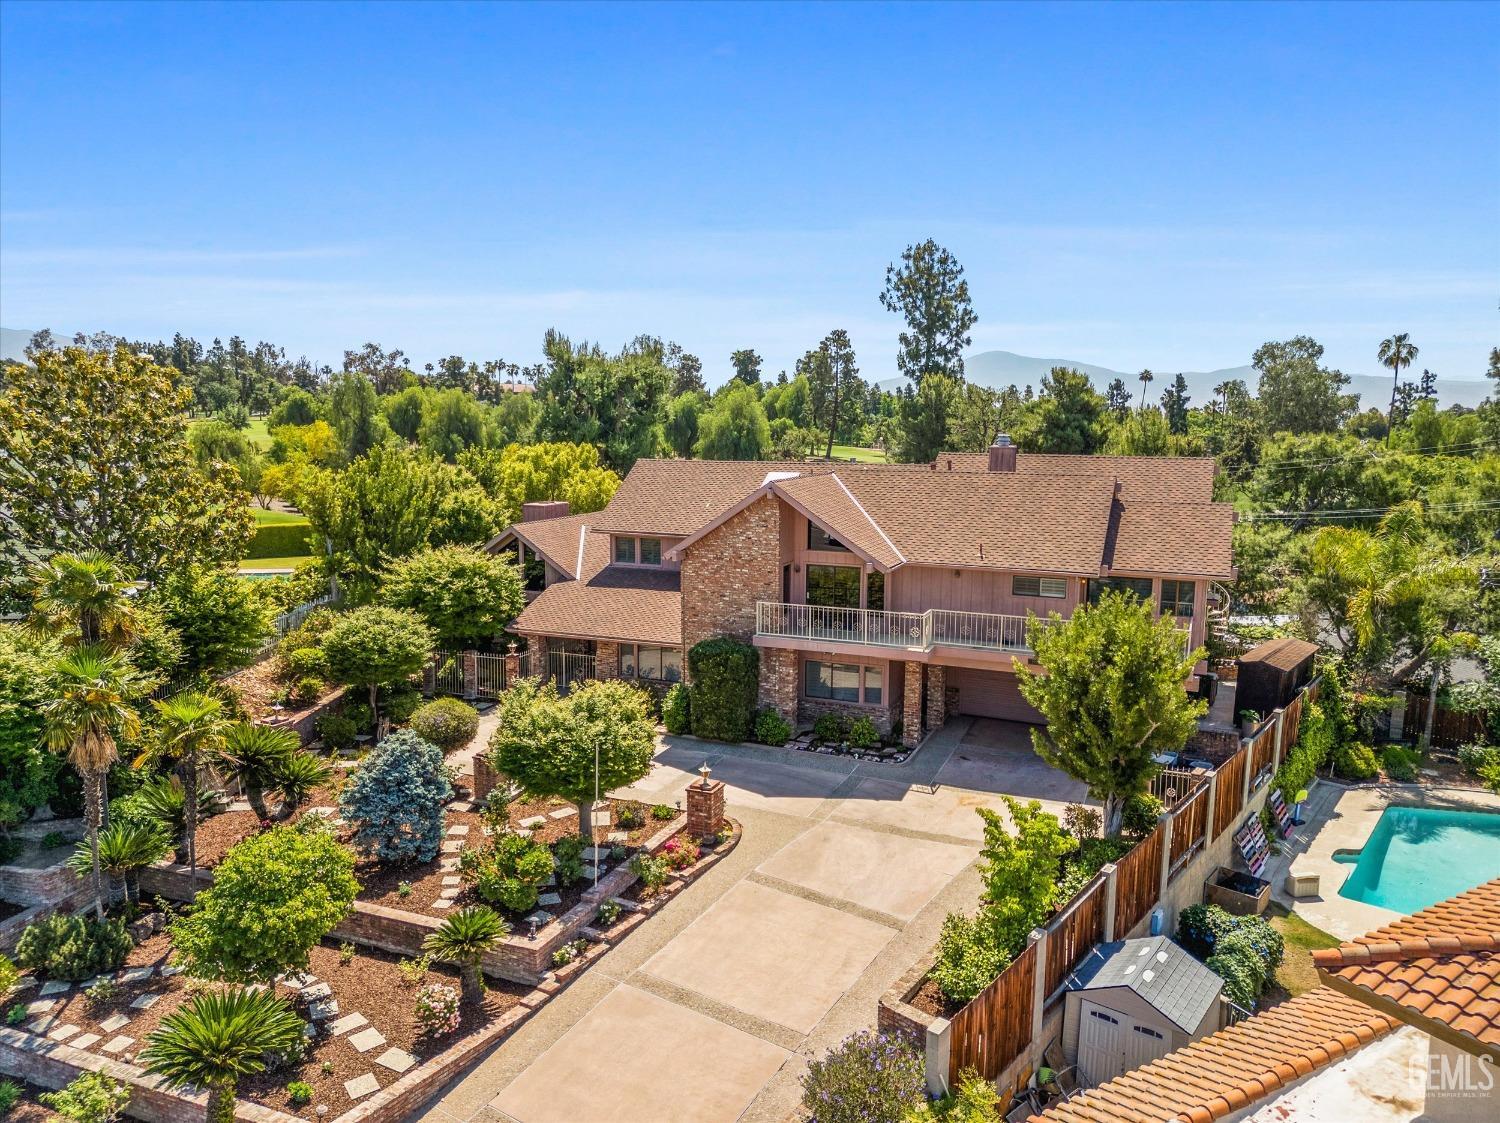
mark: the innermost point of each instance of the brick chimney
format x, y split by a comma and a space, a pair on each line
554, 509
1002, 455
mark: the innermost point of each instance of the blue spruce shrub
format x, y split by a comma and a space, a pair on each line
395, 800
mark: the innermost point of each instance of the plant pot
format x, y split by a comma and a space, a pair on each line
1240, 894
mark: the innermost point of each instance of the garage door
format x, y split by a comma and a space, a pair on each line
991, 694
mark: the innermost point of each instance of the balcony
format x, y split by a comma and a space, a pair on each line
908, 631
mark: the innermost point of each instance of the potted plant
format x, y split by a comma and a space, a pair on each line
1249, 719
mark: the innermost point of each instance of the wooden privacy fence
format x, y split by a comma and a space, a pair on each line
1263, 753
990, 1031
1229, 789
1138, 881
1450, 728
1073, 934
1189, 827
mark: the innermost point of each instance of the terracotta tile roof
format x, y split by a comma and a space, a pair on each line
1187, 479
1224, 1072
1189, 538
612, 603
1440, 965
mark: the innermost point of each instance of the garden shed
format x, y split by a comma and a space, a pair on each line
1132, 1001
1270, 674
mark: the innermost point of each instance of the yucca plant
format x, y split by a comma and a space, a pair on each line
299, 776
463, 938
256, 754
124, 850
190, 730
218, 1037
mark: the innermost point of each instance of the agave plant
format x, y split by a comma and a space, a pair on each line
217, 1038
463, 938
124, 850
257, 754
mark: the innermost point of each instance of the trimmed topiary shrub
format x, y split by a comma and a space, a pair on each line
446, 722
675, 714
395, 800
281, 540
772, 729
73, 947
725, 675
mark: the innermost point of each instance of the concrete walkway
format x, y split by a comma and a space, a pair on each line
710, 1010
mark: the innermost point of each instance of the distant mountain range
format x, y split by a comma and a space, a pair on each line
999, 369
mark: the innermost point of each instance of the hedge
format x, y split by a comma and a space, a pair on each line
281, 540
725, 675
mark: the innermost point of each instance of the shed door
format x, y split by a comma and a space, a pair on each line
1111, 1044
991, 694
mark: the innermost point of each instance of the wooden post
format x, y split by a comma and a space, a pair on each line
1245, 777
1038, 939
1166, 820
1109, 870
1213, 799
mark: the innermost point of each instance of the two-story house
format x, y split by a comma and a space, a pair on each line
899, 592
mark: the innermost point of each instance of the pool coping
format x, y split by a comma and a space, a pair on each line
1341, 818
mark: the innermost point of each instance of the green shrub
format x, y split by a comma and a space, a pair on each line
1244, 951
1243, 972
863, 734
1200, 926
630, 817
91, 1098
9, 976
446, 722
10, 1095
299, 1093
1474, 759
73, 947
1315, 737
968, 957
661, 812
676, 710
653, 872
103, 992
361, 715
510, 873
281, 540
772, 729
829, 728
1082, 864
400, 702
307, 691
725, 675
975, 1100
567, 853
1082, 821
1400, 763
1140, 814
304, 662
396, 800
868, 1078
337, 732
608, 913
1355, 761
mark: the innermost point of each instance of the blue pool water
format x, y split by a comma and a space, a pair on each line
1417, 856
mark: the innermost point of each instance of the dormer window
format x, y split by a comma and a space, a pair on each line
820, 539
637, 551
650, 551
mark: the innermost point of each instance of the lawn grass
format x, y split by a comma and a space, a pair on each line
265, 517
275, 563
863, 455
1297, 975
257, 432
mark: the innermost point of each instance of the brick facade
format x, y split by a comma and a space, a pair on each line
728, 570
778, 683
705, 808
606, 660
937, 696
911, 705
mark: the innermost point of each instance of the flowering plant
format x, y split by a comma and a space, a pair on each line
868, 1076
680, 852
437, 1010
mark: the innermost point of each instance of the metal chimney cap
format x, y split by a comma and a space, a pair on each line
1002, 441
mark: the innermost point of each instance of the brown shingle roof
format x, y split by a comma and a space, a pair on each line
555, 539
679, 496
614, 603
827, 500
1189, 538
1440, 965
1224, 1072
1187, 479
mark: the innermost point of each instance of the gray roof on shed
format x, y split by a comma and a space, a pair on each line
1157, 969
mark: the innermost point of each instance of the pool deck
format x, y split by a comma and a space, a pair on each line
1341, 818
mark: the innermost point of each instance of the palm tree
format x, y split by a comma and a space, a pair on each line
258, 755
217, 1038
463, 938
1146, 378
1396, 352
124, 850
190, 728
87, 709
83, 598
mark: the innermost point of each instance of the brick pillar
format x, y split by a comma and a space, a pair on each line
512, 666
911, 706
937, 692
778, 683
705, 808
471, 675
485, 777
606, 660
429, 678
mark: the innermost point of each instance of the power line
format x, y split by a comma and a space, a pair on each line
1376, 454
1363, 512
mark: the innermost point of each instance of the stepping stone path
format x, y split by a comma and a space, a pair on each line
444, 903
40, 1006
87, 1040
397, 1060
145, 1001
563, 813
452, 879
618, 836
114, 1022
459, 829
453, 845
549, 899
323, 1009
450, 892
54, 986
62, 1033
168, 972
118, 1044
361, 1086
367, 1039
316, 991
136, 975
348, 1022
540, 918
297, 982
42, 1024
595, 853
524, 832
448, 865
534, 821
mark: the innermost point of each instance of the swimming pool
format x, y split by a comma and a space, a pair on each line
1417, 856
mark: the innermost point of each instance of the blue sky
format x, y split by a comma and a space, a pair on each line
1131, 185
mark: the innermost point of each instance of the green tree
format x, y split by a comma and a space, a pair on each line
376, 646
97, 458
1068, 415
1112, 691
217, 615
1144, 432
452, 422
274, 897
404, 411
1174, 403
190, 731
466, 596
617, 402
735, 427
977, 419
684, 415
924, 419
746, 365
846, 387
86, 709
463, 938
296, 407
218, 443
1395, 352
217, 1038
929, 291
1117, 398
385, 370
259, 757
1296, 393
1146, 378
25, 769
124, 850
354, 411
519, 474
551, 745
83, 598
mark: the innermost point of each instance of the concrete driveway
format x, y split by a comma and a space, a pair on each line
710, 1011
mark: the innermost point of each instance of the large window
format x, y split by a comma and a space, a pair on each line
843, 682
820, 539
1137, 586
1039, 586
625, 551
638, 551
833, 586
660, 664
875, 590
650, 551
1177, 597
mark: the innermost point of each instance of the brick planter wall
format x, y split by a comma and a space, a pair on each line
45, 885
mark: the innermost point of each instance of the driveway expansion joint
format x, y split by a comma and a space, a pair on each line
766, 881
774, 1032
